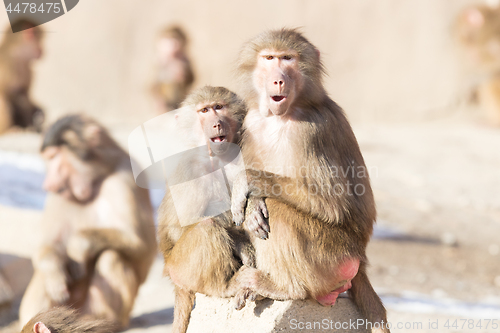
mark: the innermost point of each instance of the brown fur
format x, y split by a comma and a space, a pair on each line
174, 75
299, 150
66, 320
203, 254
98, 239
17, 52
477, 29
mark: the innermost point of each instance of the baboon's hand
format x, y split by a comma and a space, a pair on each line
247, 278
57, 289
256, 219
239, 197
242, 296
240, 299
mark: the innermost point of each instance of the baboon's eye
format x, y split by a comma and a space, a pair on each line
204, 110
218, 107
269, 57
287, 57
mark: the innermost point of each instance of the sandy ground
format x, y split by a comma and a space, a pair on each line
435, 253
438, 186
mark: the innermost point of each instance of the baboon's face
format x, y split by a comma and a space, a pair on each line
218, 125
278, 80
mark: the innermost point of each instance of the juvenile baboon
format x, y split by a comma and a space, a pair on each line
174, 75
203, 252
477, 29
66, 320
17, 52
98, 239
306, 163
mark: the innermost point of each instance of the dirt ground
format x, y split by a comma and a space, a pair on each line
437, 191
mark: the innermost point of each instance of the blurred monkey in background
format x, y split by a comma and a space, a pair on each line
17, 52
98, 240
174, 75
66, 320
477, 29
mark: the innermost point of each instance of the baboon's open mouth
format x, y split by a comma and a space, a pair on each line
218, 138
277, 98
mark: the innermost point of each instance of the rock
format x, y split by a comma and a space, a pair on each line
215, 315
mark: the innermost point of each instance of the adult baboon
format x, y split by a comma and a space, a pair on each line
174, 74
201, 246
98, 239
306, 163
17, 52
477, 29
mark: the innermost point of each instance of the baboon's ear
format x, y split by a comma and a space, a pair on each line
40, 327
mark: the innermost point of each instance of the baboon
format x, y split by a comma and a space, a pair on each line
98, 239
477, 29
174, 75
305, 161
66, 320
17, 52
203, 252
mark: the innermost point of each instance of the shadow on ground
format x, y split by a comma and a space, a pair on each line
156, 318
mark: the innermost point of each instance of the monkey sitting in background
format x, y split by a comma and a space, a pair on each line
174, 75
202, 251
98, 234
17, 52
66, 320
477, 29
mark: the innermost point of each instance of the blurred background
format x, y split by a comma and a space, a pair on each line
397, 68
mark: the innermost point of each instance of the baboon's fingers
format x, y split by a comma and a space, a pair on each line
253, 296
258, 225
238, 216
263, 208
240, 299
256, 221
